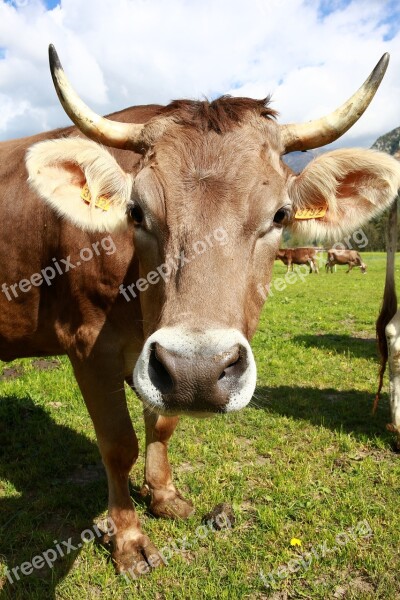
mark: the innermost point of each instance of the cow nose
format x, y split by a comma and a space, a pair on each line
205, 381
195, 371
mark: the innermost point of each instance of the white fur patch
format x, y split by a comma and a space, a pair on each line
393, 340
58, 169
189, 344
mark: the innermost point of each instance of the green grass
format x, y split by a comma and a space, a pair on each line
306, 460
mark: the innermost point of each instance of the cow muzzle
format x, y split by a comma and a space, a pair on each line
199, 373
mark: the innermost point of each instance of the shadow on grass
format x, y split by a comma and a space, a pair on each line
46, 502
349, 411
358, 347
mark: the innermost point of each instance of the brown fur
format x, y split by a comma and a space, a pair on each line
220, 115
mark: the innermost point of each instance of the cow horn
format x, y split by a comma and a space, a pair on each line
95, 127
314, 134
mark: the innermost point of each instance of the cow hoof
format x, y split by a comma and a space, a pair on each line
168, 505
135, 557
174, 508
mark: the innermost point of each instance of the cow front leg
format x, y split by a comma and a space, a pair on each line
166, 500
102, 387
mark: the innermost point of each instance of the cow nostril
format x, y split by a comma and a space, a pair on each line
232, 364
158, 372
229, 369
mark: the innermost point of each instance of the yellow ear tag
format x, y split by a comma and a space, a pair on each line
311, 213
101, 202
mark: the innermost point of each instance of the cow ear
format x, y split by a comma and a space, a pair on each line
82, 181
340, 190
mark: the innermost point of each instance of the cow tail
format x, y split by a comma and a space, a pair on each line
389, 303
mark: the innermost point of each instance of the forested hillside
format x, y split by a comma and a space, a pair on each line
376, 229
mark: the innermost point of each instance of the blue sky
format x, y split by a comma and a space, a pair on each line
327, 7
49, 4
310, 54
392, 19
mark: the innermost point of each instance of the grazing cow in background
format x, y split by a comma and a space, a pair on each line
193, 198
299, 256
345, 257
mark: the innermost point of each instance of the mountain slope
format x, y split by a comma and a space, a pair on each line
376, 229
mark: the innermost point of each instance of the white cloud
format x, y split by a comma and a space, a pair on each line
123, 52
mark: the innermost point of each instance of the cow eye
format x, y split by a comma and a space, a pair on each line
281, 216
136, 214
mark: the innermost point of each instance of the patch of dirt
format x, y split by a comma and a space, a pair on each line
279, 596
55, 404
11, 373
84, 475
263, 459
341, 463
362, 586
245, 441
188, 557
46, 364
247, 506
187, 467
359, 585
332, 397
345, 462
364, 335
57, 525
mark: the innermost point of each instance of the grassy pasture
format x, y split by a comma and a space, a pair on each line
306, 460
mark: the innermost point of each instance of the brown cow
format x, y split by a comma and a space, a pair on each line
193, 197
337, 256
299, 256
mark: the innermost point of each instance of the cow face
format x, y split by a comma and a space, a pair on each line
208, 210
211, 207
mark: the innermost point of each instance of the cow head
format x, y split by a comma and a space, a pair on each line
208, 203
